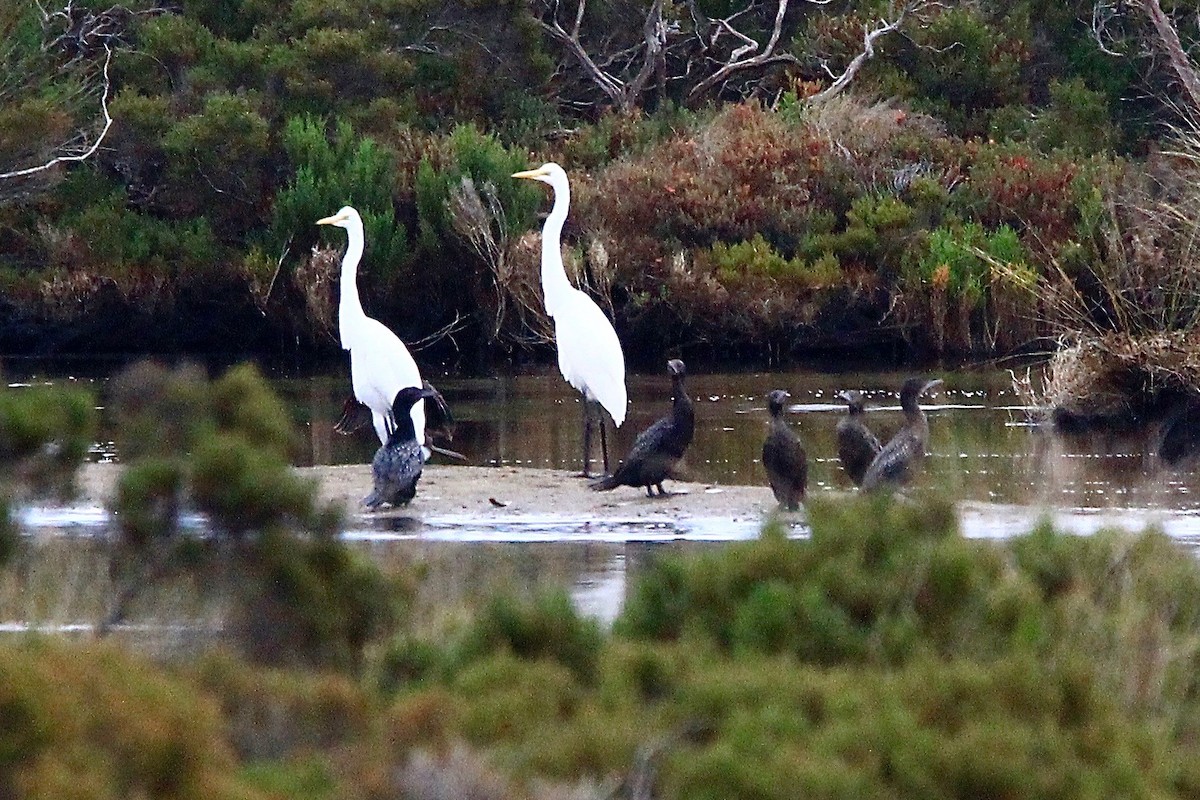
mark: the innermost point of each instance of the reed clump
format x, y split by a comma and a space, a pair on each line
1127, 294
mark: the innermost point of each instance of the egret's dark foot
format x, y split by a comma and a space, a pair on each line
586, 475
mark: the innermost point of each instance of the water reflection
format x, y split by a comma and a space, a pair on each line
1007, 472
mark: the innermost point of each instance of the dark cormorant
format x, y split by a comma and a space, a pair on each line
899, 459
397, 464
857, 446
657, 450
783, 456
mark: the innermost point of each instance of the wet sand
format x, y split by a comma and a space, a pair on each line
497, 494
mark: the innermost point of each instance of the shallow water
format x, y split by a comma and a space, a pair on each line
983, 450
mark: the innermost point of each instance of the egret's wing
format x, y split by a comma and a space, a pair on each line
589, 353
380, 366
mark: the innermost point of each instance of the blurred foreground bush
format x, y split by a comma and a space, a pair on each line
45, 433
223, 449
885, 657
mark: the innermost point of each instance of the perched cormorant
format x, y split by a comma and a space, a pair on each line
657, 450
783, 456
857, 446
397, 464
899, 459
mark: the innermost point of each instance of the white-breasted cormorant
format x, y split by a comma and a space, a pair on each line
397, 465
589, 353
900, 458
857, 446
783, 456
657, 450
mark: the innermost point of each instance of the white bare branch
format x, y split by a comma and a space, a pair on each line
1162, 35
89, 151
624, 96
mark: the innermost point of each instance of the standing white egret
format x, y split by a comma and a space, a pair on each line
380, 364
589, 353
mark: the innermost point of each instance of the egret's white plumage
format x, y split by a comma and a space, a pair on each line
380, 364
589, 353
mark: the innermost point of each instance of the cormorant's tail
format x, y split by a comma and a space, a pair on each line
604, 484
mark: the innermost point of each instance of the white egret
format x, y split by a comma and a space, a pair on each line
589, 353
380, 364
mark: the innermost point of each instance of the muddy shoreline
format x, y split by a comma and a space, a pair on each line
499, 494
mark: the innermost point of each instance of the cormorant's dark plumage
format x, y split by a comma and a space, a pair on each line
657, 450
857, 446
397, 464
900, 458
783, 456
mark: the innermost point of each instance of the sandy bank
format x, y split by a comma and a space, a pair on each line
500, 495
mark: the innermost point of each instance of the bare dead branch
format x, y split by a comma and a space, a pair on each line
624, 96
1167, 39
1162, 36
870, 37
737, 63
89, 151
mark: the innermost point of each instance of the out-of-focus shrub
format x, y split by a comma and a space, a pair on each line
94, 722
45, 433
223, 449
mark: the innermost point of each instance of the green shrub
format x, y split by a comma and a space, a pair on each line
485, 160
96, 723
333, 171
548, 627
960, 261
218, 164
1077, 120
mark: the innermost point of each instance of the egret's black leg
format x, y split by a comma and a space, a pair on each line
649, 491
587, 437
661, 492
603, 438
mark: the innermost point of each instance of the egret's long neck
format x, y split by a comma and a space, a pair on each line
350, 310
554, 278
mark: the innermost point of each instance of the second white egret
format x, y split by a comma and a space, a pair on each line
589, 353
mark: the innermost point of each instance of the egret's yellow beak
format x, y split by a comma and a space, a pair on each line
334, 220
532, 174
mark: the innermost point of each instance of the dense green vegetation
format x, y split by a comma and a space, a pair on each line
986, 148
884, 657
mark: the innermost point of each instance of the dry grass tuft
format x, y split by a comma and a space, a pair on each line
314, 278
1134, 315
1122, 377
